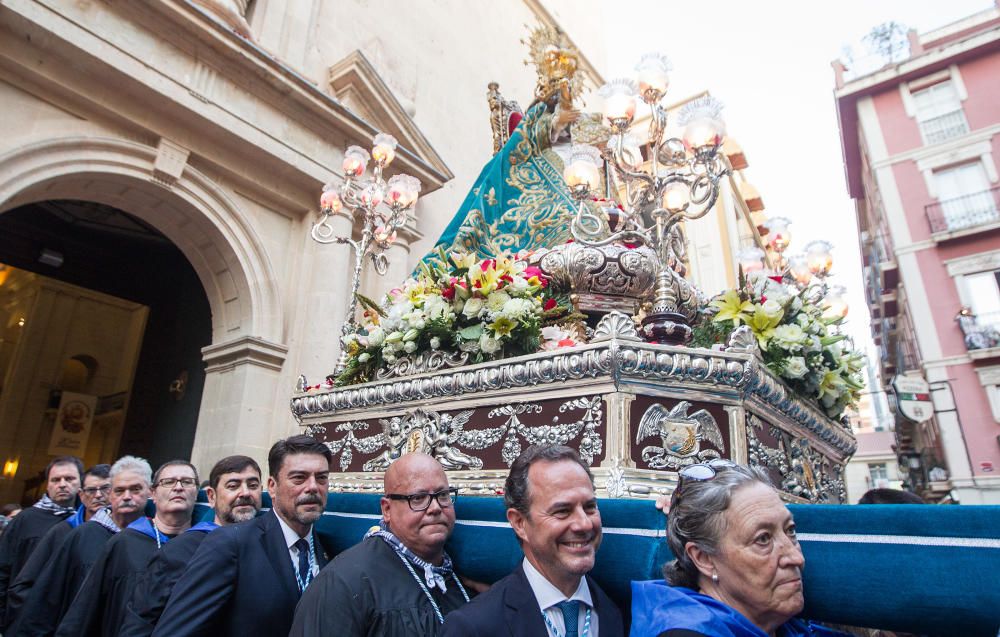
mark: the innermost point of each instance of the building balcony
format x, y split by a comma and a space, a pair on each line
944, 127
968, 214
981, 333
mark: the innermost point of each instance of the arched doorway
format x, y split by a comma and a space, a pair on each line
243, 408
100, 308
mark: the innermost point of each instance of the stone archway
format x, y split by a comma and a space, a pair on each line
247, 351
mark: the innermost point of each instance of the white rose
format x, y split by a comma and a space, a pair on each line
376, 337
472, 307
789, 336
435, 342
795, 367
772, 309
488, 344
410, 347
364, 357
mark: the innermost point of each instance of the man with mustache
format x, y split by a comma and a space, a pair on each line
99, 608
399, 581
234, 492
552, 508
62, 483
245, 579
93, 498
58, 583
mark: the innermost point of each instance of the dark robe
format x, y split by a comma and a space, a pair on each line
99, 607
57, 585
44, 551
18, 542
153, 589
367, 591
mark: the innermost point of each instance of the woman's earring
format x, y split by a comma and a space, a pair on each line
715, 578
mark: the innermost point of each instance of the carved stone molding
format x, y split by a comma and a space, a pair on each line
244, 351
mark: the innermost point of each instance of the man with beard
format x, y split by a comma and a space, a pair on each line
552, 508
58, 583
99, 608
62, 483
93, 498
399, 581
245, 579
234, 492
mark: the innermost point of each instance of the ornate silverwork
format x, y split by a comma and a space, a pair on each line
609, 277
742, 340
424, 432
681, 436
428, 361
616, 484
349, 442
616, 325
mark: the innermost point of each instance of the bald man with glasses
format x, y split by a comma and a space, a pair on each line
399, 580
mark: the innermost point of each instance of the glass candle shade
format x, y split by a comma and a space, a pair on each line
676, 196
371, 195
330, 201
384, 149
583, 169
820, 258
798, 268
619, 101
751, 259
835, 303
653, 75
355, 161
778, 234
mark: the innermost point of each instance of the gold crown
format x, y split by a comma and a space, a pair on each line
555, 60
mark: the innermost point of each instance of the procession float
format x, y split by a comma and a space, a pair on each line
555, 309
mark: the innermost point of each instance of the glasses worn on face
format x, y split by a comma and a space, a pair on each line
701, 472
421, 501
170, 482
95, 490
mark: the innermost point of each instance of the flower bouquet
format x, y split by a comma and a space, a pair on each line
798, 340
458, 303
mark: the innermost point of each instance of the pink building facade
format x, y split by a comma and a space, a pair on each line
921, 144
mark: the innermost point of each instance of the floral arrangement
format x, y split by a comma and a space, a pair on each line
797, 340
487, 308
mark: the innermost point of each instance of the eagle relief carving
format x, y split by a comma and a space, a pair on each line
680, 436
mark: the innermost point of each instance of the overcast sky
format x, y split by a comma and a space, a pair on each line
769, 63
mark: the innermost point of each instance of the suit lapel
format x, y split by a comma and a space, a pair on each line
522, 613
273, 542
321, 555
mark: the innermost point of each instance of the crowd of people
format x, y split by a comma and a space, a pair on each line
105, 568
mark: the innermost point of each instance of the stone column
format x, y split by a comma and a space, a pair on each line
241, 412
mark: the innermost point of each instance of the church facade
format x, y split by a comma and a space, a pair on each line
209, 128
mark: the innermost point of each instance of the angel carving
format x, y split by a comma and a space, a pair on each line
680, 435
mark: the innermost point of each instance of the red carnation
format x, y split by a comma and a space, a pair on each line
550, 304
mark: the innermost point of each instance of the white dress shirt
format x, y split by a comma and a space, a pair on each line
291, 537
549, 596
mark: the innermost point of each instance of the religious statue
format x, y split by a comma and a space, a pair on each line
520, 200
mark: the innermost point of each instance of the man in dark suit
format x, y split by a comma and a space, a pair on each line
245, 579
552, 508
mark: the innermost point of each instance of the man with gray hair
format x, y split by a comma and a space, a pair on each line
552, 508
99, 609
57, 585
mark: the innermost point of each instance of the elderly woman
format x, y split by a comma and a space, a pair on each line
738, 571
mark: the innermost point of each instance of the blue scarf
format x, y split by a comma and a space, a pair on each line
144, 525
433, 575
77, 518
204, 527
657, 607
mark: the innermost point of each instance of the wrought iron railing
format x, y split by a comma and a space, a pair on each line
944, 127
982, 331
964, 212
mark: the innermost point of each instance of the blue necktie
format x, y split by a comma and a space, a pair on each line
571, 612
304, 571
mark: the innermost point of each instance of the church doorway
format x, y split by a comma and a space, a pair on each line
102, 324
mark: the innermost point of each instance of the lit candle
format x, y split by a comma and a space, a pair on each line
371, 195
798, 267
820, 258
778, 235
835, 305
398, 191
384, 236
384, 149
703, 126
619, 100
